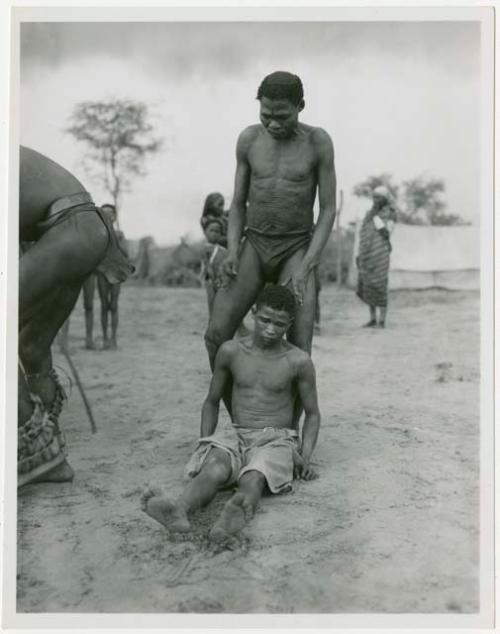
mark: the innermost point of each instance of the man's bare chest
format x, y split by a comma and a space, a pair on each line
282, 160
266, 374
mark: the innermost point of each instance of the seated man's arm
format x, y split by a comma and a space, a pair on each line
210, 409
306, 383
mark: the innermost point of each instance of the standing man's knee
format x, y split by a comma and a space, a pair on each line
214, 338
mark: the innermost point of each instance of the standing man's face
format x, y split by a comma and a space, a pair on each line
280, 117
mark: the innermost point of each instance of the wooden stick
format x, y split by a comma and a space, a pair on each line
78, 382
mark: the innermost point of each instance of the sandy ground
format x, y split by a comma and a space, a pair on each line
390, 526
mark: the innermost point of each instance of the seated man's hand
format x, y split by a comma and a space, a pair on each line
229, 269
302, 469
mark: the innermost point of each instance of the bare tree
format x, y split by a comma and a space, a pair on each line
118, 138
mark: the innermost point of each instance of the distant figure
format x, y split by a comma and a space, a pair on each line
264, 450
69, 238
213, 256
374, 255
110, 293
214, 209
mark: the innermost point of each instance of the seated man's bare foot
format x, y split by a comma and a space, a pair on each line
170, 514
113, 345
232, 519
89, 344
106, 344
62, 473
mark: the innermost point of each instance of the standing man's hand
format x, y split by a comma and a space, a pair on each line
229, 269
298, 281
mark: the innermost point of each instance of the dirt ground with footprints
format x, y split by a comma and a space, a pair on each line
379, 531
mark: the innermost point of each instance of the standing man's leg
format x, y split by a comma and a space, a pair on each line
114, 294
232, 302
103, 288
88, 304
301, 331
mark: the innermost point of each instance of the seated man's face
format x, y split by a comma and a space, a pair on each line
271, 324
279, 117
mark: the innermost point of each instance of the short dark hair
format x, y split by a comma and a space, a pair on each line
282, 85
278, 298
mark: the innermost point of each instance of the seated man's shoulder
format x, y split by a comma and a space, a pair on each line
228, 349
297, 356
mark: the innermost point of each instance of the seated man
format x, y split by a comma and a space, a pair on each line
266, 373
68, 238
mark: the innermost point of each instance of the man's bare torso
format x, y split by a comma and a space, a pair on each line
283, 180
41, 182
263, 384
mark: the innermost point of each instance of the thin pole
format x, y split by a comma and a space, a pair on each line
339, 240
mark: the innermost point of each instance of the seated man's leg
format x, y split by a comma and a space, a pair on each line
200, 490
88, 305
241, 507
232, 302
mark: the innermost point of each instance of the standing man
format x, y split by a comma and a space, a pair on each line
280, 165
374, 255
70, 237
109, 293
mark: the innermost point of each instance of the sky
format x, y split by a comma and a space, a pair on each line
396, 97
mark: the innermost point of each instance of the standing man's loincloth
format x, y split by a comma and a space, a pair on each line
274, 249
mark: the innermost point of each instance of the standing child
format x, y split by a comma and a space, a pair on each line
213, 256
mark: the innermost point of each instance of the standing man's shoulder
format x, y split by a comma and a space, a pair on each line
321, 140
248, 136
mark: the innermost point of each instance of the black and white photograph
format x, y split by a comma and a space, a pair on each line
250, 304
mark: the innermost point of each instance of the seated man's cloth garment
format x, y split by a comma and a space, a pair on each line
268, 451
